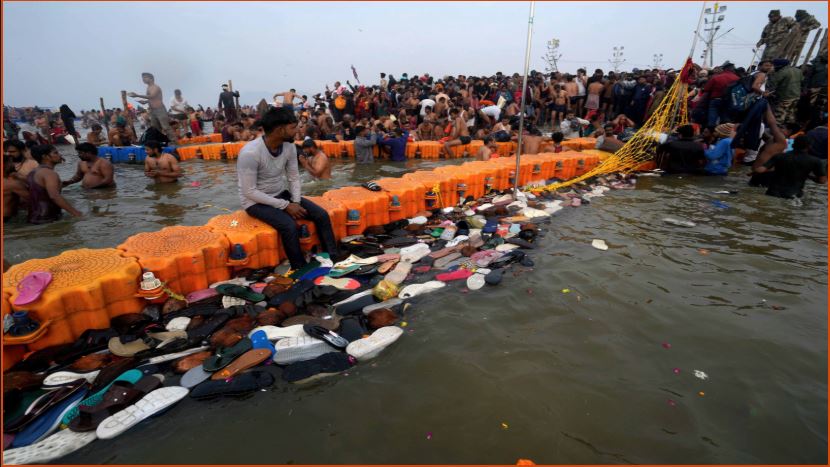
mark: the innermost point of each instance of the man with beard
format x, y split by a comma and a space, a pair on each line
95, 172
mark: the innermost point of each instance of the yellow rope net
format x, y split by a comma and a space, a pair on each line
669, 114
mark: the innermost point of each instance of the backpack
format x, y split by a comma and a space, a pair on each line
340, 102
737, 94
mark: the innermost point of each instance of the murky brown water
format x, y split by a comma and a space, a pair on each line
578, 377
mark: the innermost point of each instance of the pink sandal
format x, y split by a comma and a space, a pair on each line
30, 288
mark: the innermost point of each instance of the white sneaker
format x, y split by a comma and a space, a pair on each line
369, 347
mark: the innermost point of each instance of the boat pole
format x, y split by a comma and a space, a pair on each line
524, 96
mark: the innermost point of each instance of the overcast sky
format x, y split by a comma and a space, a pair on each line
76, 52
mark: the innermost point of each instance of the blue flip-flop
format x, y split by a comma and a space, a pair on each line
259, 340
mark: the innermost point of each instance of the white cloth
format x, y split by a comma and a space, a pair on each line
492, 111
178, 107
568, 131
426, 103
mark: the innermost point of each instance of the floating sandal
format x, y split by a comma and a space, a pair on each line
324, 365
62, 378
275, 333
413, 290
369, 347
330, 337
224, 356
53, 447
245, 383
128, 377
238, 291
149, 405
259, 340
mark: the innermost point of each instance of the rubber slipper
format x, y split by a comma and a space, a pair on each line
245, 361
330, 337
441, 263
484, 258
314, 274
118, 397
353, 327
330, 322
245, 383
510, 257
149, 405
369, 347
355, 306
194, 376
259, 340
340, 284
476, 281
310, 266
457, 275
414, 290
200, 333
224, 356
599, 244
188, 362
371, 186
49, 421
457, 241
178, 324
494, 277
391, 303
398, 275
297, 349
352, 259
50, 448
151, 341
339, 272
235, 281
176, 355
200, 295
31, 286
292, 294
322, 366
112, 371
505, 247
129, 377
238, 291
387, 266
62, 378
442, 252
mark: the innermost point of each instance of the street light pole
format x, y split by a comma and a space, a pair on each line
617, 59
524, 95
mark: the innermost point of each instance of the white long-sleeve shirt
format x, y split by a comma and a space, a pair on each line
262, 176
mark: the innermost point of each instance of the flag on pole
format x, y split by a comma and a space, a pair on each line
354, 72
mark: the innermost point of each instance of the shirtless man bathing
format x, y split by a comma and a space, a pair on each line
460, 134
93, 171
158, 114
162, 167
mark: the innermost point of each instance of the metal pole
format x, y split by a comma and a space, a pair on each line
697, 31
524, 95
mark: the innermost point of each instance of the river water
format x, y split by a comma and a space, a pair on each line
588, 358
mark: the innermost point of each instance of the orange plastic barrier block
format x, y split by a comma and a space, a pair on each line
214, 138
368, 208
471, 182
88, 288
565, 165
506, 149
603, 155
337, 214
543, 167
578, 160
260, 241
466, 150
424, 150
232, 149
346, 149
186, 258
447, 187
212, 152
331, 148
410, 197
488, 174
187, 153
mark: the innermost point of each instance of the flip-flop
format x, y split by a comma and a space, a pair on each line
330, 337
341, 284
259, 340
243, 384
42, 405
176, 355
275, 333
324, 365
50, 448
398, 275
353, 327
32, 285
387, 266
184, 364
178, 324
505, 247
238, 291
149, 405
194, 376
369, 347
62, 378
457, 275
314, 274
391, 303
312, 265
441, 263
224, 356
297, 349
48, 421
130, 377
117, 398
372, 186
476, 281
414, 290
200, 295
151, 341
245, 361
599, 244
200, 333
494, 277
343, 271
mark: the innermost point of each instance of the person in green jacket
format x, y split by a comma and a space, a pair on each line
787, 84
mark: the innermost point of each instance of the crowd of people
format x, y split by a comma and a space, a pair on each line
738, 116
